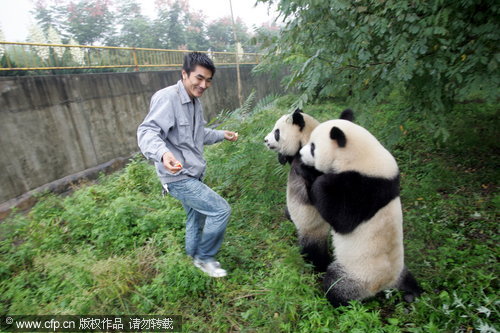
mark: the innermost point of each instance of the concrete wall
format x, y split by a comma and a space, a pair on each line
55, 126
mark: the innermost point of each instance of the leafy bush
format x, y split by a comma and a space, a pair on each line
436, 52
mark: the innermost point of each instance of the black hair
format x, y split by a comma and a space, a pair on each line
191, 60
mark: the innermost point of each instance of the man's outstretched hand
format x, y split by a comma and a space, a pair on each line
230, 136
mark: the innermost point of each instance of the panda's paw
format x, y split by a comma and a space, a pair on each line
309, 173
283, 159
409, 298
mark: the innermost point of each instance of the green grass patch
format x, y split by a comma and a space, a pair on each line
117, 247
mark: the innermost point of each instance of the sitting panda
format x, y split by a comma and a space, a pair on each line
358, 195
289, 134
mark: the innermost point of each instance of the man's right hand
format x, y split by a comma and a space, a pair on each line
170, 162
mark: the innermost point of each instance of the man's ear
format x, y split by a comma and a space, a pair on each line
184, 75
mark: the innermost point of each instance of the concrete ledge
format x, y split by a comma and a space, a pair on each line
29, 199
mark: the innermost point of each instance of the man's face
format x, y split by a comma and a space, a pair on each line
197, 81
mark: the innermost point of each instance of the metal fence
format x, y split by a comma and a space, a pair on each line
31, 56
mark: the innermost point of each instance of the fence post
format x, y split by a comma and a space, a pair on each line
238, 78
136, 63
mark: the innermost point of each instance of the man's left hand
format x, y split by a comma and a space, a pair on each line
230, 136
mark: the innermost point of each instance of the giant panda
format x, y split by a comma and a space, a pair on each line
290, 133
358, 195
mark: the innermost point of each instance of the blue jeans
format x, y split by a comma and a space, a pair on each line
207, 217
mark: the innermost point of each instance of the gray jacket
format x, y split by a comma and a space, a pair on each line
175, 124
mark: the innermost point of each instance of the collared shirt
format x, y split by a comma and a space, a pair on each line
175, 124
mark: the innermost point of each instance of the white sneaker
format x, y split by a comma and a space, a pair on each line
212, 268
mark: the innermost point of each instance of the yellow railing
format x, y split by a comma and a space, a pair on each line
31, 56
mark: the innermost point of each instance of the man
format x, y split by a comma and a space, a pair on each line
173, 136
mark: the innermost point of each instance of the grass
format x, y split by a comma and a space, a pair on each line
116, 247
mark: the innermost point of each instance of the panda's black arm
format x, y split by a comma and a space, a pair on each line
325, 198
339, 198
308, 173
284, 159
348, 199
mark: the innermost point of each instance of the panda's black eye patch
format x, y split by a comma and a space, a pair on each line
313, 147
277, 134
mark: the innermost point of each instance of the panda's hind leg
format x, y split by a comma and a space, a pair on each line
339, 287
409, 285
316, 251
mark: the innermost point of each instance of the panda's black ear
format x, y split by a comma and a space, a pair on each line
298, 119
339, 136
347, 114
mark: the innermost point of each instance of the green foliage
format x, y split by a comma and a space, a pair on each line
116, 247
221, 35
265, 36
135, 27
169, 27
176, 25
435, 52
88, 21
6, 61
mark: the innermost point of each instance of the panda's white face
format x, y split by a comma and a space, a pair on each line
287, 137
340, 145
321, 151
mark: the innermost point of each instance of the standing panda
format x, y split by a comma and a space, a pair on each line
358, 195
290, 133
